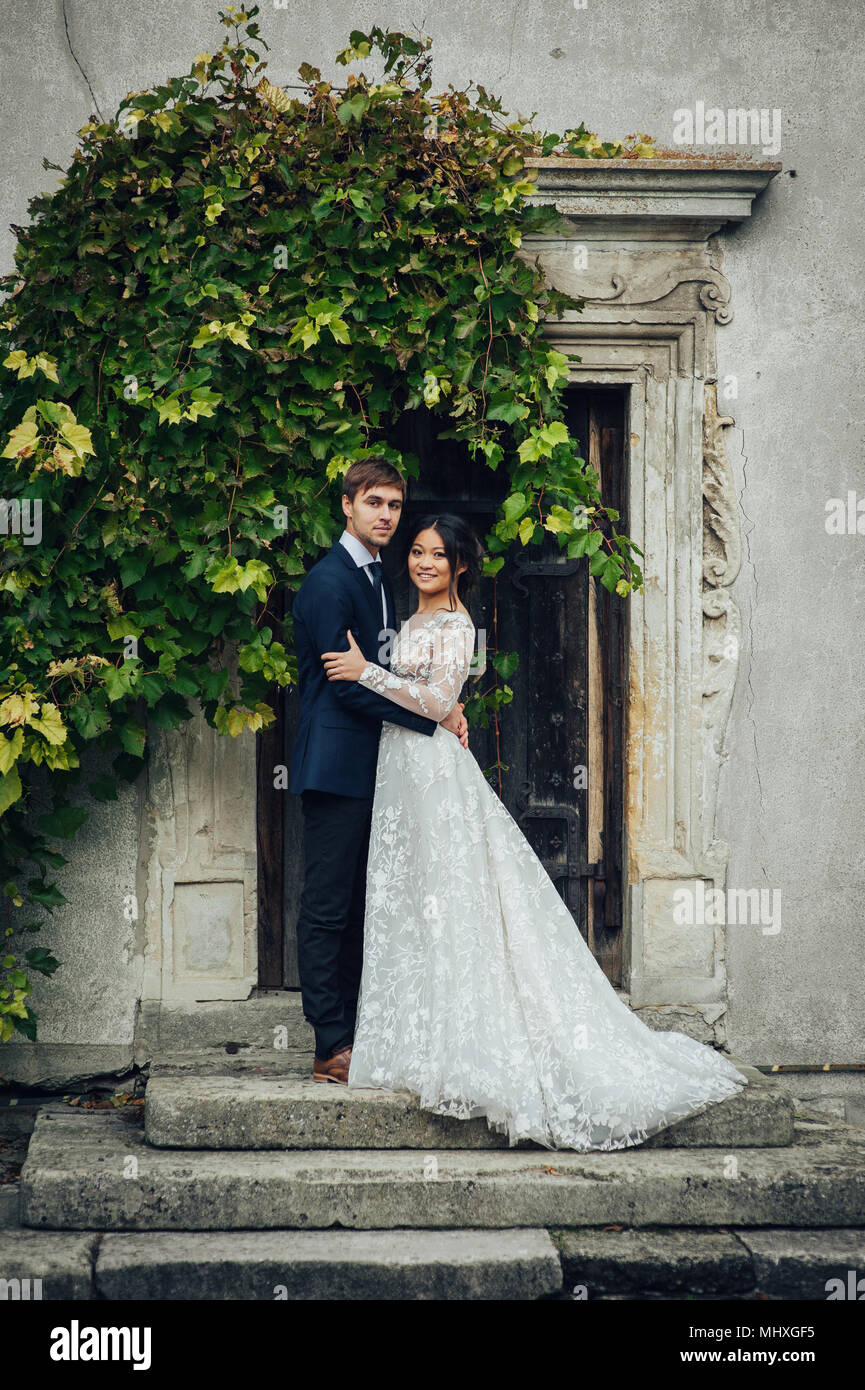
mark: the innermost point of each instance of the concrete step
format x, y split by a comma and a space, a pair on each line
582, 1264
330, 1265
279, 1265
46, 1265
9, 1205
265, 1020
266, 1100
94, 1171
629, 1263
734, 1263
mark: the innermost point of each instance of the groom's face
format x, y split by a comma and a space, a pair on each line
373, 515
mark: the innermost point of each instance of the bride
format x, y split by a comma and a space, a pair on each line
478, 992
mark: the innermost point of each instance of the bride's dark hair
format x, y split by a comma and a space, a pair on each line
461, 547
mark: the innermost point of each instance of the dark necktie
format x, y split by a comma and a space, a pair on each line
375, 570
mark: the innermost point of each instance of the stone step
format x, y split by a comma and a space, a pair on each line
262, 1100
9, 1205
329, 1265
585, 1264
629, 1263
731, 1264
265, 1020
279, 1265
38, 1266
94, 1171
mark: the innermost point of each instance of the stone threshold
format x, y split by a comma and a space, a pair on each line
94, 1171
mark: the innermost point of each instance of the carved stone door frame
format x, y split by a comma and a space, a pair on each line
640, 248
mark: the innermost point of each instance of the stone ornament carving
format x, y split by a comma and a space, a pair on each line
722, 623
622, 276
722, 546
715, 296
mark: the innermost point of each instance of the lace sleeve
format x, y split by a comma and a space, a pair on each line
447, 653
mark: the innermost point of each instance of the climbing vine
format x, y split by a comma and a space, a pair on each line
232, 295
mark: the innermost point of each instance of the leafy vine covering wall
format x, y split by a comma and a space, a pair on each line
232, 295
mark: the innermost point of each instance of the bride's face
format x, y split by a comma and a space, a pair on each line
428, 565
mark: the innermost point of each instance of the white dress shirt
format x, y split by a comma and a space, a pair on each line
361, 556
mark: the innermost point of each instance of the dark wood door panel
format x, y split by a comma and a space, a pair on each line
566, 714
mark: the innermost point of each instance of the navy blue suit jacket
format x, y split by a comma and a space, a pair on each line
336, 749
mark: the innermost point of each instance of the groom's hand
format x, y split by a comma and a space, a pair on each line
456, 723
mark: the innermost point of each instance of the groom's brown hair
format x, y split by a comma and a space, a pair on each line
366, 473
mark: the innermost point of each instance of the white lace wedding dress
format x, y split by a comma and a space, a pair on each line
478, 993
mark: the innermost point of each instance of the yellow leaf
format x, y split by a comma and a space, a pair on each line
274, 96
50, 724
267, 715
237, 335
60, 758
235, 722
22, 440
66, 461
66, 667
78, 436
47, 365
10, 749
18, 709
336, 467
10, 790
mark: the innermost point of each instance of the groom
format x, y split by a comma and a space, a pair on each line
333, 765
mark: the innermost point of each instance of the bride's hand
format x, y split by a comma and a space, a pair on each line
345, 666
456, 723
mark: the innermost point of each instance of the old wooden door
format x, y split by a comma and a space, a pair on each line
556, 757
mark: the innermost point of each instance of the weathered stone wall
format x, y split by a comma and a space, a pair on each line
790, 802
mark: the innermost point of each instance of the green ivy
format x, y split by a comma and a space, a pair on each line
233, 294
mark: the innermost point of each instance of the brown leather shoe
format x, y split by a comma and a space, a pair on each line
334, 1068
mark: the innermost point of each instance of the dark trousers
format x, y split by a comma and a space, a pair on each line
332, 906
